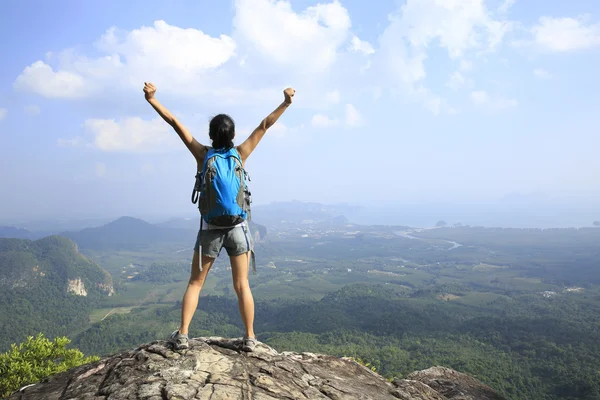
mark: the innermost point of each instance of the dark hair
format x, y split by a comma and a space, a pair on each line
221, 131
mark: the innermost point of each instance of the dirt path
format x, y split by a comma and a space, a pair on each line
108, 313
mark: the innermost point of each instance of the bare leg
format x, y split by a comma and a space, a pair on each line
192, 293
239, 271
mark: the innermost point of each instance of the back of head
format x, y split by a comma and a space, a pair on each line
221, 131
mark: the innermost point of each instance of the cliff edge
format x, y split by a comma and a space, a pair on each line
214, 369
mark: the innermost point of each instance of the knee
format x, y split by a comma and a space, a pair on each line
241, 286
196, 281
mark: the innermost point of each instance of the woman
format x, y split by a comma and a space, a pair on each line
211, 238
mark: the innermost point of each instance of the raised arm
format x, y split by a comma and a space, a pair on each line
248, 146
197, 150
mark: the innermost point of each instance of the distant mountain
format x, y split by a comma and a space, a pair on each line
56, 225
259, 231
133, 233
46, 286
293, 213
128, 233
39, 229
16, 233
181, 223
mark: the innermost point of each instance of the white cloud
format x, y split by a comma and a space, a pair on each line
162, 53
466, 65
41, 79
270, 45
323, 121
168, 47
542, 73
506, 5
566, 34
459, 27
502, 103
100, 169
308, 40
361, 46
353, 117
333, 97
431, 101
458, 80
309, 46
3, 113
32, 109
132, 134
279, 130
482, 99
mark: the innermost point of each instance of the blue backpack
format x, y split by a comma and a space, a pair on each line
221, 189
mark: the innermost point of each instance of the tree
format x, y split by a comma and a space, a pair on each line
36, 359
441, 224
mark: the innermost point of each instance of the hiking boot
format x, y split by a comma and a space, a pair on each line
249, 344
179, 341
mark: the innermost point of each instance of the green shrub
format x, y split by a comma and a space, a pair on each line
35, 359
364, 363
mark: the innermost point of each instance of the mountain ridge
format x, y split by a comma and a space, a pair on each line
24, 263
214, 368
125, 232
128, 232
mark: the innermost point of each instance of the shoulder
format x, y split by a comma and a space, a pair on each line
240, 151
202, 156
198, 150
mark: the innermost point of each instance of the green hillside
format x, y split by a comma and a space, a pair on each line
46, 286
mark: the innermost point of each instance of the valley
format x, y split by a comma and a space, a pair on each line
498, 304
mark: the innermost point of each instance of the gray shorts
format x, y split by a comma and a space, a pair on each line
236, 241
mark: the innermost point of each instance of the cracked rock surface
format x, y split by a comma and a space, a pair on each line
215, 369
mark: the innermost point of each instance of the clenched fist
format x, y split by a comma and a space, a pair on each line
288, 94
149, 90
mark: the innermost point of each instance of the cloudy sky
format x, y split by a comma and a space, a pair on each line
408, 101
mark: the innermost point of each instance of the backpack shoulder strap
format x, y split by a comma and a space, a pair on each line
236, 153
232, 152
209, 153
200, 175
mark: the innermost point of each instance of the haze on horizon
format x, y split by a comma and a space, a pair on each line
448, 108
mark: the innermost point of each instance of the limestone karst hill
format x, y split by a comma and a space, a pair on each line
214, 369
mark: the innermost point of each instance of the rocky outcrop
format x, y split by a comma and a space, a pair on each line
215, 369
451, 384
106, 288
77, 287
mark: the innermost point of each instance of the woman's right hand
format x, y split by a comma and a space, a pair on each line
149, 90
288, 94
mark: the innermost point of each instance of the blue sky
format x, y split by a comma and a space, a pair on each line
458, 101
